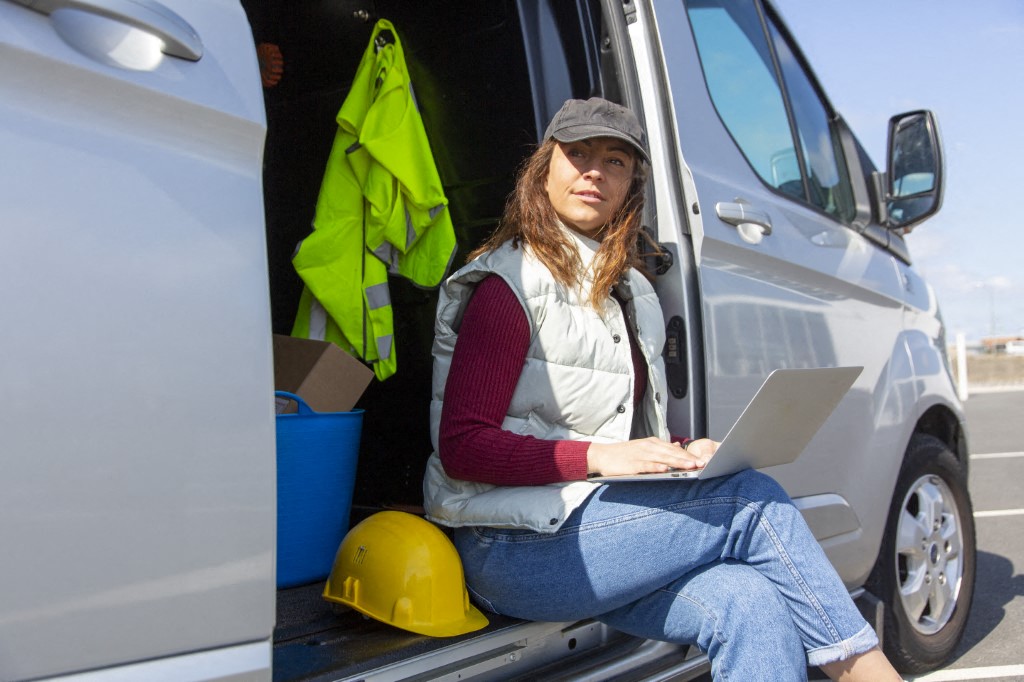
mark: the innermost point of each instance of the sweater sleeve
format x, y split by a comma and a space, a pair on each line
488, 358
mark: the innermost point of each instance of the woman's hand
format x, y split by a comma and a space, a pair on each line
647, 455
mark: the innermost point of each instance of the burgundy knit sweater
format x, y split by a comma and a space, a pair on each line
488, 358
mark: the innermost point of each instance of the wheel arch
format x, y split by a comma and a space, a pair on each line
943, 423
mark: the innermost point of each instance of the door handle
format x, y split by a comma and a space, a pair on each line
178, 36
740, 213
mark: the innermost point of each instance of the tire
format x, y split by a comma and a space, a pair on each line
925, 570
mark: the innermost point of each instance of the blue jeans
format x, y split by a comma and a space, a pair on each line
727, 564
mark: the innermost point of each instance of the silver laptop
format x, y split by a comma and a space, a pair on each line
775, 427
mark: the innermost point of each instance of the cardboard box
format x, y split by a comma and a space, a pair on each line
325, 376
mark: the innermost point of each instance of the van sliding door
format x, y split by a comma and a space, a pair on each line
136, 438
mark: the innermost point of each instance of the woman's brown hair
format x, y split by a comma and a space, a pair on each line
530, 219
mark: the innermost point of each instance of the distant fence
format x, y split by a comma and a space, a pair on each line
986, 371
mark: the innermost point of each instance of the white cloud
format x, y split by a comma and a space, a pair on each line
999, 282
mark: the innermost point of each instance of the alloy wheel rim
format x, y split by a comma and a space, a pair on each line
929, 554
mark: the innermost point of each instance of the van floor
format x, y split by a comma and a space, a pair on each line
315, 639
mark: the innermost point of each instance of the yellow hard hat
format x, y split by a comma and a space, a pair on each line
402, 570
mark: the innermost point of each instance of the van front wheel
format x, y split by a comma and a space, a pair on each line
925, 570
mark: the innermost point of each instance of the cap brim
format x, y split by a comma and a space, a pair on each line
585, 132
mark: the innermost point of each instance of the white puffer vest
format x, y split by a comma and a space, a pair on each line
576, 383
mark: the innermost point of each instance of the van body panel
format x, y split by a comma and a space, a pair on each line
804, 295
677, 216
137, 504
242, 663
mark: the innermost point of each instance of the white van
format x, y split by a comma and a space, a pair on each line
1015, 347
152, 193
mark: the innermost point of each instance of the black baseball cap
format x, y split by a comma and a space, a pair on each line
596, 117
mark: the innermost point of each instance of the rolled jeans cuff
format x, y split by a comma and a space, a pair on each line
863, 641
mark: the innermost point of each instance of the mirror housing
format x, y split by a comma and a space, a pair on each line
914, 170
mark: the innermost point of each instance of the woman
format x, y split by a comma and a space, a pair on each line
547, 369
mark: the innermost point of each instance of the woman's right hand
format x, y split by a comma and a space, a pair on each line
647, 455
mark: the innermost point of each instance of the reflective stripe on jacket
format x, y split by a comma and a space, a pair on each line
381, 209
576, 384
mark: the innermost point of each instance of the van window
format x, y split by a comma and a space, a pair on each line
742, 78
828, 183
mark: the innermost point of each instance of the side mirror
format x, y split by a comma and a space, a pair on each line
913, 181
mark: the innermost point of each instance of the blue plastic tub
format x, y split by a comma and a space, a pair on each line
316, 471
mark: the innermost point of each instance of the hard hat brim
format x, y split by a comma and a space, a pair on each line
474, 620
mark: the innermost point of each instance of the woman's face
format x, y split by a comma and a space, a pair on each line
588, 181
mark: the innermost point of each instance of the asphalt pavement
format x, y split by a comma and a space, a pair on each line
993, 644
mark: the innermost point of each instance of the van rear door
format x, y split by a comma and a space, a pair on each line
136, 437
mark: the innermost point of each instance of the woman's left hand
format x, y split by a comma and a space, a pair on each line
703, 449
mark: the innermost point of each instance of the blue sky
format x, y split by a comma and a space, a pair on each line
964, 61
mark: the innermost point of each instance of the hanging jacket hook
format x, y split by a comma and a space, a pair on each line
385, 37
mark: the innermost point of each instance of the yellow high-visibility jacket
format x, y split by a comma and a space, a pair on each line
381, 209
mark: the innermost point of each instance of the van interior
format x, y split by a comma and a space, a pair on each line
487, 77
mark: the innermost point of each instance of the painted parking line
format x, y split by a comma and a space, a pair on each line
988, 673
998, 512
998, 455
